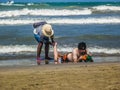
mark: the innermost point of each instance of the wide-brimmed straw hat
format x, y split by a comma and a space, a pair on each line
47, 30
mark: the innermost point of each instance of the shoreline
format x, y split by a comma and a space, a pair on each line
32, 61
52, 65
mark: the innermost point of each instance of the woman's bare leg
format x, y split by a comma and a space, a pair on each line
55, 53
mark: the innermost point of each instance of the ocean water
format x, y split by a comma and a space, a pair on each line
97, 24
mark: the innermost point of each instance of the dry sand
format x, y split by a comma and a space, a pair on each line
81, 76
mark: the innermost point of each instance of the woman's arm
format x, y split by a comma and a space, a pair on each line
74, 53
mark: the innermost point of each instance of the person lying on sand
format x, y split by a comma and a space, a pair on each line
78, 54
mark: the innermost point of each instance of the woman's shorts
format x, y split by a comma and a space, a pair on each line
39, 38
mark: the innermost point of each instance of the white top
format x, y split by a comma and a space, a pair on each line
38, 30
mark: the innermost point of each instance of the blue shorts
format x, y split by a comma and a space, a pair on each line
39, 38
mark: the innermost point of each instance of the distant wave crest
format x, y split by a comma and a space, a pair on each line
102, 20
59, 12
44, 12
106, 8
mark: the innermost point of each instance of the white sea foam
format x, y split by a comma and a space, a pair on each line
32, 48
29, 4
105, 8
56, 12
105, 20
97, 50
17, 48
104, 50
7, 4
44, 12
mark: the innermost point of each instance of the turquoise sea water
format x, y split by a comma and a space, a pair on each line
96, 23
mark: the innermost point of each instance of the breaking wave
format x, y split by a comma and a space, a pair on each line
44, 12
106, 8
32, 48
59, 12
102, 20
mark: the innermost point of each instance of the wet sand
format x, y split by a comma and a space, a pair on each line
81, 76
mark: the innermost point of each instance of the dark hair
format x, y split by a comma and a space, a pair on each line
35, 25
82, 46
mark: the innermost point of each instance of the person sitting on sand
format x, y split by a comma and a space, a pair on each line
78, 54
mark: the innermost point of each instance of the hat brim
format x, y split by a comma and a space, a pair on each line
47, 35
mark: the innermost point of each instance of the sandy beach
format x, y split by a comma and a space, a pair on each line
95, 23
81, 76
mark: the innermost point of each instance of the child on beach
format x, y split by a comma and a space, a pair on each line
78, 54
42, 32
